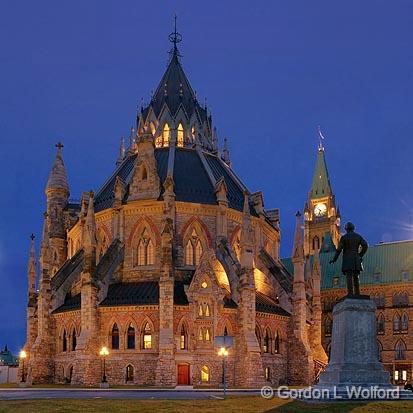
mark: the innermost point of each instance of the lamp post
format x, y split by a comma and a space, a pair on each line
104, 352
22, 356
223, 352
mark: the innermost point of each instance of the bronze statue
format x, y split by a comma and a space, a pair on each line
354, 247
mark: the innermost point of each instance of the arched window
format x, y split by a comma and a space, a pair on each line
200, 311
316, 243
267, 374
277, 343
74, 339
328, 326
205, 374
380, 324
165, 135
404, 300
193, 249
396, 323
193, 133
145, 254
225, 331
267, 342
180, 135
147, 337
131, 338
207, 311
207, 334
200, 335
153, 129
115, 337
400, 350
64, 341
405, 322
144, 173
183, 342
189, 253
129, 373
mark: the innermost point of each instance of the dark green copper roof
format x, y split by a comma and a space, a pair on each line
320, 187
386, 263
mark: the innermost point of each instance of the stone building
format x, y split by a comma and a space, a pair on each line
387, 277
171, 252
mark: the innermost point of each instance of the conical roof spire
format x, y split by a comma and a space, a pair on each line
321, 186
57, 178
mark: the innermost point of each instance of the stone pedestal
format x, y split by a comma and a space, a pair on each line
354, 357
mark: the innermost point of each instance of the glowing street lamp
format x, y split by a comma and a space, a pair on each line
104, 352
223, 352
22, 356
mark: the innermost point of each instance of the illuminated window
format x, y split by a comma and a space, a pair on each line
115, 337
193, 133
396, 375
180, 135
158, 141
200, 335
129, 373
205, 374
153, 129
131, 338
404, 375
198, 252
147, 337
207, 335
200, 311
204, 284
207, 312
267, 374
165, 135
183, 339
189, 253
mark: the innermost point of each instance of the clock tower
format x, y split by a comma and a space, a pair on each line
320, 212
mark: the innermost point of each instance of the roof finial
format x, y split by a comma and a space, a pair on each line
321, 138
175, 38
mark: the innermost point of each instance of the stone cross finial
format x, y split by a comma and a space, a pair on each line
59, 145
32, 237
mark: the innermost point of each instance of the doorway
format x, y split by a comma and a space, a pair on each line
183, 374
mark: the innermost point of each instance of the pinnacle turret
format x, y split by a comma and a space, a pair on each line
57, 178
298, 252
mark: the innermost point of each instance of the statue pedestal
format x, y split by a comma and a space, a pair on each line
354, 357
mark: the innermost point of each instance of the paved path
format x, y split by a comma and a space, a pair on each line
25, 394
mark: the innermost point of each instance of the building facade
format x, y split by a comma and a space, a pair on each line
171, 252
387, 277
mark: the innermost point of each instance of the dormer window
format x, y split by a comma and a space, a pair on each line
180, 135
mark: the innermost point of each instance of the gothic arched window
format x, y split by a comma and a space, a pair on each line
74, 339
405, 322
129, 373
380, 324
225, 331
165, 135
193, 249
180, 135
400, 350
267, 342
396, 323
131, 338
207, 311
147, 337
145, 254
183, 341
64, 340
115, 337
277, 343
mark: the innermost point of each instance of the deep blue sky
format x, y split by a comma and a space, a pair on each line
271, 70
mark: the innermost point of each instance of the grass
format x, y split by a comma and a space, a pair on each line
237, 404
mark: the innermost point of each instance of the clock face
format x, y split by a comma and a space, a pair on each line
320, 209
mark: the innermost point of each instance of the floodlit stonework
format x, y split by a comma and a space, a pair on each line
172, 251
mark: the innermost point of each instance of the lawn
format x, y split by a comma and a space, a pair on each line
244, 404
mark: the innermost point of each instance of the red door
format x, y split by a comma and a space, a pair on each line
183, 374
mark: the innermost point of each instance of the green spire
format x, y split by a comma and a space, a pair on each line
321, 182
